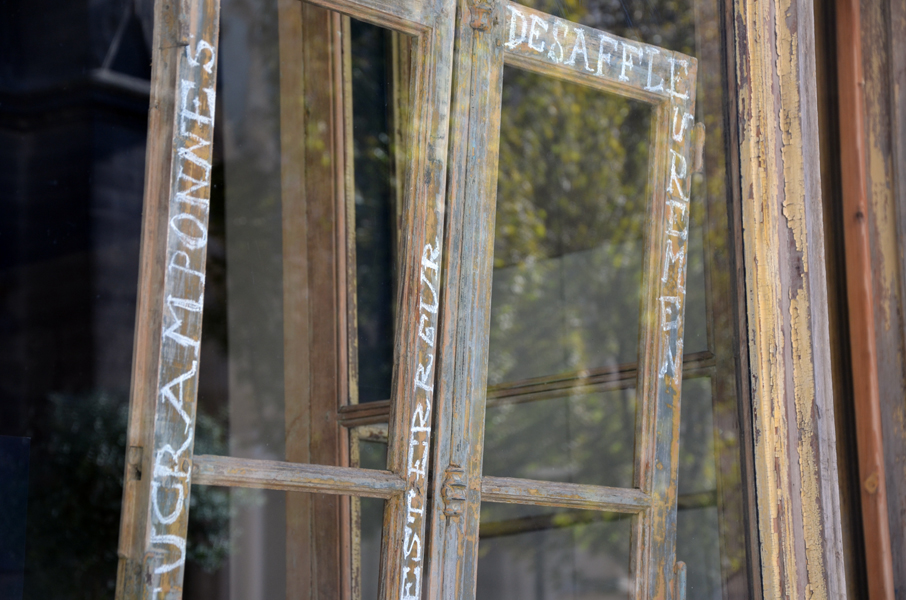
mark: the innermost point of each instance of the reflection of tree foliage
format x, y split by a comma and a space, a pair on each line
571, 210
75, 497
583, 438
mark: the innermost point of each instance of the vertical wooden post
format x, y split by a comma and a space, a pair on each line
783, 246
161, 434
863, 348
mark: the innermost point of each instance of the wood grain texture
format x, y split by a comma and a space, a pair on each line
420, 298
571, 495
471, 196
882, 33
171, 291
860, 301
296, 302
795, 461
295, 477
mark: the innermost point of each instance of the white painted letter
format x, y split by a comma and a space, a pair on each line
512, 42
579, 46
649, 86
534, 33
628, 50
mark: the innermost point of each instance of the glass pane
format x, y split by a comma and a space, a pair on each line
247, 543
571, 213
301, 269
542, 553
713, 542
572, 207
583, 437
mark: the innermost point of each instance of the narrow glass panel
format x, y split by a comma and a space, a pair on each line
374, 207
542, 553
572, 208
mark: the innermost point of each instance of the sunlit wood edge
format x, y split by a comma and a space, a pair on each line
295, 477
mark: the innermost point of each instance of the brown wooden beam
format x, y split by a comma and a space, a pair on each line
863, 347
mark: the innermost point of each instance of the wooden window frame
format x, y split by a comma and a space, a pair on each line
777, 214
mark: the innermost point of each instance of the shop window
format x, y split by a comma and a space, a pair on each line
449, 297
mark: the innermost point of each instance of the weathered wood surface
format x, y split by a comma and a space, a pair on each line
783, 251
295, 477
547, 44
861, 303
171, 294
369, 413
419, 303
571, 495
465, 320
414, 17
883, 39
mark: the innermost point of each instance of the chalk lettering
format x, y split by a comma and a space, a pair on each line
172, 332
177, 509
189, 240
677, 174
558, 57
674, 207
177, 400
652, 52
685, 65
417, 584
185, 266
425, 332
602, 56
513, 41
672, 360
423, 376
170, 540
674, 258
202, 46
579, 48
195, 114
670, 312
534, 33
628, 51
680, 133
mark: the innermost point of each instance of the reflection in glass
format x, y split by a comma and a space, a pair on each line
375, 213
371, 453
239, 539
571, 211
584, 437
543, 553
570, 239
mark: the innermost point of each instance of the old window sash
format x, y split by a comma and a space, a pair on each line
160, 464
491, 35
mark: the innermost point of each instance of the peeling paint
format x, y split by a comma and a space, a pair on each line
803, 374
